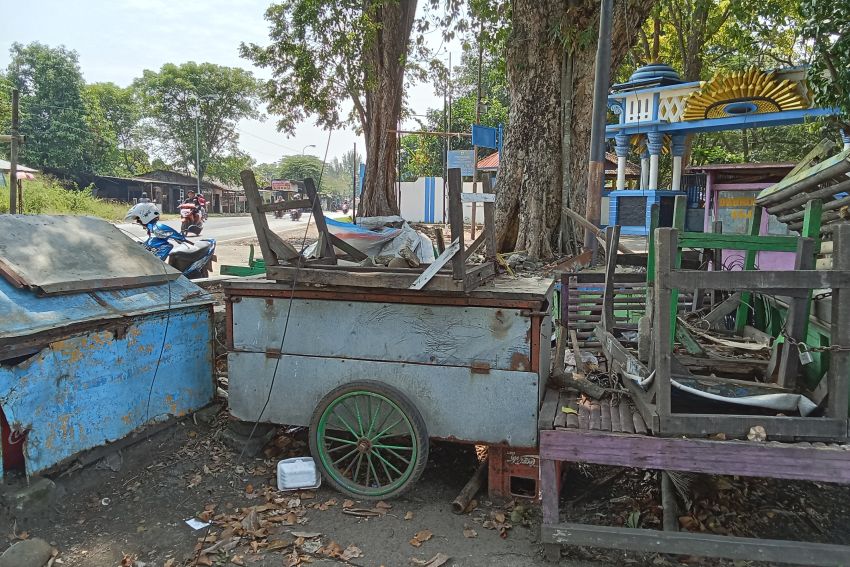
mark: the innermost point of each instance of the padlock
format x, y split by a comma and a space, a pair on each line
805, 356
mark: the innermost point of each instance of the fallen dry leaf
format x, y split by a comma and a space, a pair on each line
351, 552
249, 489
499, 517
23, 535
436, 561
128, 561
204, 560
363, 512
292, 560
307, 535
333, 549
469, 532
383, 505
421, 537
169, 563
408, 516
307, 495
238, 560
195, 480
348, 503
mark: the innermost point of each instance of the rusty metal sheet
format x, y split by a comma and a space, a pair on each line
92, 388
393, 332
24, 314
65, 254
456, 403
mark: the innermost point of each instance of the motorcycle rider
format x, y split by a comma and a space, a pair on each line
147, 215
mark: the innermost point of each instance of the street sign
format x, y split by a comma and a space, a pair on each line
281, 185
486, 136
462, 159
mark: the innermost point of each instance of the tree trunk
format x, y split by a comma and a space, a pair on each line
535, 167
384, 56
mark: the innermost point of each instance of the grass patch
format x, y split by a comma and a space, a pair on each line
46, 196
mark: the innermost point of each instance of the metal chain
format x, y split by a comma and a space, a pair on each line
831, 348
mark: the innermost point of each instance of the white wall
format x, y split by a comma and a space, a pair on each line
414, 201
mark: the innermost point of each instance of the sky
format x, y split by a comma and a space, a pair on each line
117, 39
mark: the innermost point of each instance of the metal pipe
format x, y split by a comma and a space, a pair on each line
602, 76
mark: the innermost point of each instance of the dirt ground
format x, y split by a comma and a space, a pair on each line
99, 517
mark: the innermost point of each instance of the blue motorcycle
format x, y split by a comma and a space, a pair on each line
192, 259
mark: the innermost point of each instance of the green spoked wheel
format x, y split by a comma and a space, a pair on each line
369, 440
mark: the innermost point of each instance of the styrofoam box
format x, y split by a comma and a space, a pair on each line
297, 473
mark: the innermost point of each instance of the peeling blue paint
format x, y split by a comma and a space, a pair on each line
92, 387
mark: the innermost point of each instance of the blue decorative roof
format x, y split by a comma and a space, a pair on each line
654, 74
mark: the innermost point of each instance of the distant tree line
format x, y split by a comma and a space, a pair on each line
106, 129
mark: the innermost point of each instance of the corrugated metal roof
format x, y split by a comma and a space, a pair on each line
6, 165
23, 313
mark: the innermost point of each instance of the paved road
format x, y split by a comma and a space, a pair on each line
229, 229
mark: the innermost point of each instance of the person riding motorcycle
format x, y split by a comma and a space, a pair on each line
147, 215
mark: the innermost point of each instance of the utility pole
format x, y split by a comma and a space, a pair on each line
596, 171
477, 121
354, 167
198, 145
13, 155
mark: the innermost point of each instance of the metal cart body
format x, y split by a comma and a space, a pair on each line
475, 365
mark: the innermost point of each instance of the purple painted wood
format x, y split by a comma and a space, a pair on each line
790, 461
549, 491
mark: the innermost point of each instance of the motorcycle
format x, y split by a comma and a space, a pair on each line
192, 259
295, 214
344, 208
190, 220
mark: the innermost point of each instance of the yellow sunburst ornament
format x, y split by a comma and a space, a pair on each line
744, 92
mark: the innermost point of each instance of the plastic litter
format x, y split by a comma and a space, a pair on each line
298, 473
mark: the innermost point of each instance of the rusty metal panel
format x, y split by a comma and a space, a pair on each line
455, 402
22, 313
66, 254
91, 388
392, 332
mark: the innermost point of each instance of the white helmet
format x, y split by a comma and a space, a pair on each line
142, 213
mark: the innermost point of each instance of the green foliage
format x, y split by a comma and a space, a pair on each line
227, 168
53, 109
220, 96
826, 23
119, 112
317, 57
44, 195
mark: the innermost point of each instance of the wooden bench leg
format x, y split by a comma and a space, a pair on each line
669, 503
550, 495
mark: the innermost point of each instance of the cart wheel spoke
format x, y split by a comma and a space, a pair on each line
397, 456
366, 443
336, 462
386, 463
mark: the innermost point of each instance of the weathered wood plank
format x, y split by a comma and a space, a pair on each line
737, 426
572, 417
627, 423
839, 365
796, 321
640, 424
490, 247
737, 242
663, 317
547, 415
338, 242
614, 412
605, 406
456, 221
560, 416
778, 283
612, 237
698, 455
743, 309
549, 490
432, 270
726, 307
707, 545
584, 414
595, 415
325, 248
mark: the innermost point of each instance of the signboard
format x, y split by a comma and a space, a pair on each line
462, 159
487, 136
362, 172
281, 185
